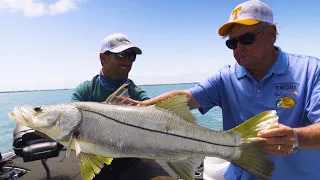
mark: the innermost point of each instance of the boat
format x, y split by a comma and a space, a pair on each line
37, 158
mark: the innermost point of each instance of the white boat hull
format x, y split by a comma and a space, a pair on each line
214, 168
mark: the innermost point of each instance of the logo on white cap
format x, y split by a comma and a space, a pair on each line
122, 39
117, 43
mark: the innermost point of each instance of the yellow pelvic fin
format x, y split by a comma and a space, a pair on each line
92, 164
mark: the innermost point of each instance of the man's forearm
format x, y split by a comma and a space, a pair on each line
162, 97
309, 137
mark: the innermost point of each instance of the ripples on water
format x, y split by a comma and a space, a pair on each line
211, 120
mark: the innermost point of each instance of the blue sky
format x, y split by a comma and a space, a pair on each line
50, 44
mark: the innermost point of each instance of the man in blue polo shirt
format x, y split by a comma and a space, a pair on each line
264, 78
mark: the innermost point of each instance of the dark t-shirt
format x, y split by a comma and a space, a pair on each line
92, 90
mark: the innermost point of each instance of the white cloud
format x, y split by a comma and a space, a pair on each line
35, 8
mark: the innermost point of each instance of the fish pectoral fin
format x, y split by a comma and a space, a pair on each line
73, 142
119, 96
179, 106
77, 146
92, 164
186, 168
70, 144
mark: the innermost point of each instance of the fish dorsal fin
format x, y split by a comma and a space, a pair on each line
119, 96
91, 165
186, 168
179, 106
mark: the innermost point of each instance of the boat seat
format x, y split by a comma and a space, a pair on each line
32, 147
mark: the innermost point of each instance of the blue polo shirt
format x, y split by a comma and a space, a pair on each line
291, 87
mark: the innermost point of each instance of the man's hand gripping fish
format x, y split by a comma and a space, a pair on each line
165, 131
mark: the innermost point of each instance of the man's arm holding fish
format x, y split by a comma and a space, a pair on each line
308, 137
192, 102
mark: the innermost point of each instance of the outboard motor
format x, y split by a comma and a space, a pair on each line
32, 147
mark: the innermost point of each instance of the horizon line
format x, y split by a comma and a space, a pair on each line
60, 89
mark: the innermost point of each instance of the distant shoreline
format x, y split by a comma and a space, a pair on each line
166, 84
34, 90
64, 89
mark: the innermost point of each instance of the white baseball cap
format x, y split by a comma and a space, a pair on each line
248, 13
117, 43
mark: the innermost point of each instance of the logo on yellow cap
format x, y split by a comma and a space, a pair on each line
235, 12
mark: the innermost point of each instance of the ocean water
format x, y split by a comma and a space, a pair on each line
212, 120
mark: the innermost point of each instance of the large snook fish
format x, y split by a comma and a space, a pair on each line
165, 131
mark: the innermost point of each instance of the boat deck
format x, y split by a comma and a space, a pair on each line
63, 168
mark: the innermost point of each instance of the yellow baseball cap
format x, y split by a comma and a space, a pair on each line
248, 13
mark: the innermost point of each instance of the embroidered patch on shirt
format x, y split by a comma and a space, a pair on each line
285, 102
286, 89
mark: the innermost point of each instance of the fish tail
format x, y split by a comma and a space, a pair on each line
254, 158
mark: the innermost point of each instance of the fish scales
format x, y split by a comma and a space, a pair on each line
123, 123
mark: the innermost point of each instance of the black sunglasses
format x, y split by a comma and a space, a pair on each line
124, 55
245, 39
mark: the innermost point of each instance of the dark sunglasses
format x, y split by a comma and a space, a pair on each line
245, 39
124, 55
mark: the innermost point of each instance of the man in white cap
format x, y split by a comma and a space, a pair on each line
117, 56
263, 78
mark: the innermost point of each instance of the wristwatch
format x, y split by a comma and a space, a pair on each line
295, 146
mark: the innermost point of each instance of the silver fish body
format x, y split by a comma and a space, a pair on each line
165, 131
148, 132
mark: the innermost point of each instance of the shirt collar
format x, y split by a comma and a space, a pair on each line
279, 67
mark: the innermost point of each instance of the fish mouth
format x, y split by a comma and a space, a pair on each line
20, 116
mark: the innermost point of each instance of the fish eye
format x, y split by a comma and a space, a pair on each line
37, 109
